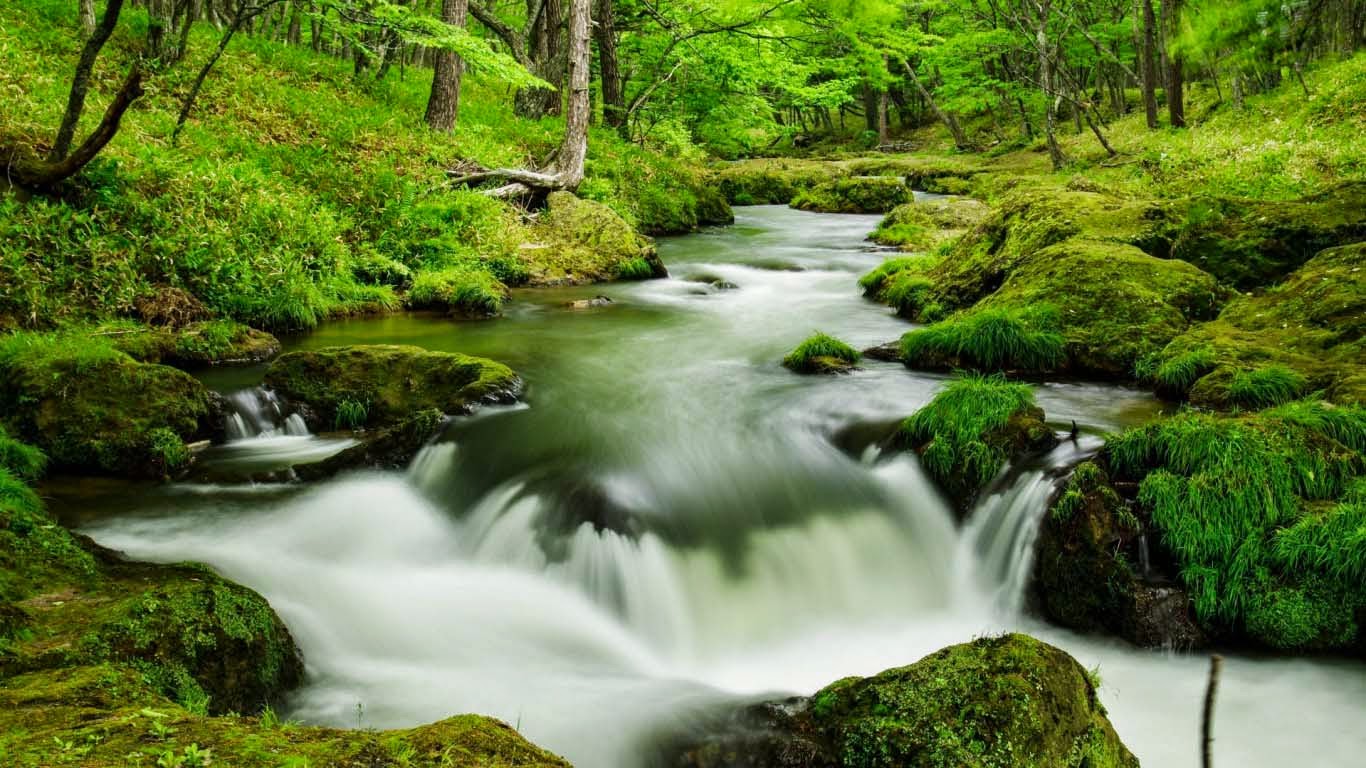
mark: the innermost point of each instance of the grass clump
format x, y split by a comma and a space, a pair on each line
21, 460
1265, 387
970, 429
989, 339
1176, 374
1259, 513
351, 414
461, 290
635, 269
821, 353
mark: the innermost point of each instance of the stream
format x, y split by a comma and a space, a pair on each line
674, 522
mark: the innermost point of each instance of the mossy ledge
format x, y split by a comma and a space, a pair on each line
379, 385
1256, 517
996, 702
971, 429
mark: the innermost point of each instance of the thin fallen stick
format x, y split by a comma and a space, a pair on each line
1207, 722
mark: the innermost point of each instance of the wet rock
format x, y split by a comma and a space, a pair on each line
596, 301
889, 352
391, 447
1009, 700
1086, 570
381, 385
714, 281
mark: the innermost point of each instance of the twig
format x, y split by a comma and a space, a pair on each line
1207, 722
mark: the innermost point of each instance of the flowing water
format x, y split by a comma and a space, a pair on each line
675, 522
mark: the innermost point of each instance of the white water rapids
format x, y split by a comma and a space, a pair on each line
669, 528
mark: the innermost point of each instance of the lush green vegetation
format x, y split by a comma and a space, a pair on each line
971, 428
1263, 514
989, 340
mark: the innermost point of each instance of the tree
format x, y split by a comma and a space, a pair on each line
443, 106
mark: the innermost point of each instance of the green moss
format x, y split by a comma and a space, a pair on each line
393, 382
970, 429
578, 241
1307, 333
856, 194
106, 716
989, 340
22, 461
995, 702
93, 408
907, 226
1236, 501
767, 182
821, 353
464, 290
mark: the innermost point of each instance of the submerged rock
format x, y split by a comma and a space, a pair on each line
1002, 701
380, 385
391, 447
596, 301
97, 410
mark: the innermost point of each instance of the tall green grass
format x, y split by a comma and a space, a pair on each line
1248, 507
991, 339
1265, 387
958, 433
821, 352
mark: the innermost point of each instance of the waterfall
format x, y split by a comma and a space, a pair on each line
996, 551
258, 412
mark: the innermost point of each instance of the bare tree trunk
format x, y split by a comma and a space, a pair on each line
80, 82
547, 62
87, 11
960, 140
295, 23
316, 31
1176, 100
1046, 78
1148, 53
443, 107
574, 149
613, 98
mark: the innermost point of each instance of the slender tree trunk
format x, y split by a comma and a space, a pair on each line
547, 62
960, 140
1176, 100
574, 149
315, 30
1046, 78
44, 173
80, 82
1148, 54
296, 23
87, 11
613, 99
443, 107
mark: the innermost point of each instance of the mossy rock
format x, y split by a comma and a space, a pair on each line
95, 409
997, 702
583, 241
1086, 562
971, 429
391, 447
209, 342
1249, 243
1306, 334
106, 716
772, 182
854, 194
908, 226
372, 386
821, 353
1256, 514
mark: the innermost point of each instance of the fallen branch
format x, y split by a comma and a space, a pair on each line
1207, 722
536, 179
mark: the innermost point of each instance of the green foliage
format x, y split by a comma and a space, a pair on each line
460, 289
1178, 373
907, 226
821, 353
856, 194
1265, 387
993, 339
635, 269
351, 415
22, 461
1241, 504
971, 428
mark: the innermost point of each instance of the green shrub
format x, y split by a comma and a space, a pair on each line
21, 460
821, 352
989, 339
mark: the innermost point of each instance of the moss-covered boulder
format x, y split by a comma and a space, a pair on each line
822, 353
583, 241
1250, 243
92, 408
996, 702
1306, 334
372, 386
464, 291
770, 182
106, 716
854, 194
971, 429
1259, 516
922, 224
1091, 573
208, 342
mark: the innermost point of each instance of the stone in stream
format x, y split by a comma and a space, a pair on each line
381, 385
714, 281
1001, 701
391, 447
596, 301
